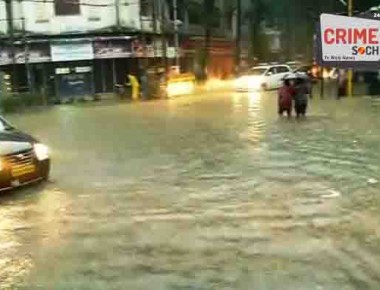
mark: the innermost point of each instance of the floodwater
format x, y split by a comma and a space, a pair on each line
211, 191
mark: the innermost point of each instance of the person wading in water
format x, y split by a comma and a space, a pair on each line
285, 98
301, 98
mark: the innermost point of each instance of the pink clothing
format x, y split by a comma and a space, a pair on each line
285, 97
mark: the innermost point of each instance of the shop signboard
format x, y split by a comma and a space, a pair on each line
149, 50
72, 51
171, 52
31, 53
5, 57
113, 49
348, 42
137, 48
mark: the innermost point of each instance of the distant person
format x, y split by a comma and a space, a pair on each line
285, 98
135, 86
342, 83
301, 98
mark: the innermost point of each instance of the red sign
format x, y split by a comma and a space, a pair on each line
351, 36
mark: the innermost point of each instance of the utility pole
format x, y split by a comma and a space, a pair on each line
155, 31
238, 35
350, 74
176, 34
163, 23
117, 11
9, 11
26, 57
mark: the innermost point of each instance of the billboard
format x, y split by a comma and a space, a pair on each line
348, 42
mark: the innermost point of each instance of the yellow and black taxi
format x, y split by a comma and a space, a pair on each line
23, 160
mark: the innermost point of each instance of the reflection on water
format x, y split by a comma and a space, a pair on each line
206, 192
29, 224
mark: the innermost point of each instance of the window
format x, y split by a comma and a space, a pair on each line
146, 8
67, 7
257, 71
271, 71
282, 69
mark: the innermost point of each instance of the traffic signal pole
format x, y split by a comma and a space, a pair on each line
350, 73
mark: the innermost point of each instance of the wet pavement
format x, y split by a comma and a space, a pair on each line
204, 192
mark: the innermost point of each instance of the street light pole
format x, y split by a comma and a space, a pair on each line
350, 74
117, 11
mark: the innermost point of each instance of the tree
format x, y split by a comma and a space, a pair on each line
257, 13
208, 13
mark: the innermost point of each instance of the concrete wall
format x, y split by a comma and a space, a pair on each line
17, 15
3, 16
130, 14
40, 17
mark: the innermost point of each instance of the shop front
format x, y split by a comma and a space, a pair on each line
113, 61
31, 70
73, 69
220, 63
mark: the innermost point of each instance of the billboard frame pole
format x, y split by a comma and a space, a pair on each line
350, 72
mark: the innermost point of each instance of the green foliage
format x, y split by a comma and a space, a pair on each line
19, 102
10, 104
258, 12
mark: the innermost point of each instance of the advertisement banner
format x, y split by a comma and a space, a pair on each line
72, 51
113, 49
151, 49
348, 41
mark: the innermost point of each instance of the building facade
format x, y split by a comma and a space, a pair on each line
65, 48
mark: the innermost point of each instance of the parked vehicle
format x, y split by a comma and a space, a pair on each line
307, 70
23, 160
262, 78
294, 64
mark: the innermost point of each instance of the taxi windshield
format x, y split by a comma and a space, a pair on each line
4, 125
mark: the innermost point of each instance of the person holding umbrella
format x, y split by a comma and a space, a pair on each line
286, 95
301, 99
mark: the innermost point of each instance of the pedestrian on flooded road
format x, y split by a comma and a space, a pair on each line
301, 99
135, 86
342, 84
285, 98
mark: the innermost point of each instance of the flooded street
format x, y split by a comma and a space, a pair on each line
204, 192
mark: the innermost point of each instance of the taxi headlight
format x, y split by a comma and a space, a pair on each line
41, 151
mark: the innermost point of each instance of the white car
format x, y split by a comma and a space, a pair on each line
262, 78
